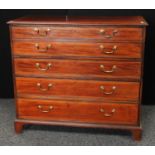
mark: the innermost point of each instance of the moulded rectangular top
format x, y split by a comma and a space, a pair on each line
82, 20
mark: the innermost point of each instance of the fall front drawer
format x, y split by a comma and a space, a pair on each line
50, 48
75, 68
78, 111
102, 33
122, 91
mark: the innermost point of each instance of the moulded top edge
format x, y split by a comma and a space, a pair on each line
81, 20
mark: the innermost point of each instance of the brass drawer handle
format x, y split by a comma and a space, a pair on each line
44, 89
45, 111
108, 114
42, 33
102, 88
103, 32
108, 52
108, 71
48, 66
42, 49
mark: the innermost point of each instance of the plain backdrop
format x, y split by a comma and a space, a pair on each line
6, 80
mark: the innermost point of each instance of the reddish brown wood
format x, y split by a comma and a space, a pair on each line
78, 88
48, 68
81, 20
18, 127
74, 47
77, 111
137, 134
123, 50
122, 34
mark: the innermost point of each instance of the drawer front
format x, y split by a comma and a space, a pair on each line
116, 50
45, 67
87, 112
42, 87
103, 33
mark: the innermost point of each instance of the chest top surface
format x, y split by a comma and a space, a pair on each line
82, 20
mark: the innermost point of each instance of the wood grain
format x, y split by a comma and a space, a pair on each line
133, 21
81, 88
123, 50
123, 34
77, 111
73, 68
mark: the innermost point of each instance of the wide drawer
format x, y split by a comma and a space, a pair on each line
102, 33
87, 112
77, 68
42, 87
50, 48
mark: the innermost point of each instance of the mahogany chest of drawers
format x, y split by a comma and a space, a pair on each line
78, 71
